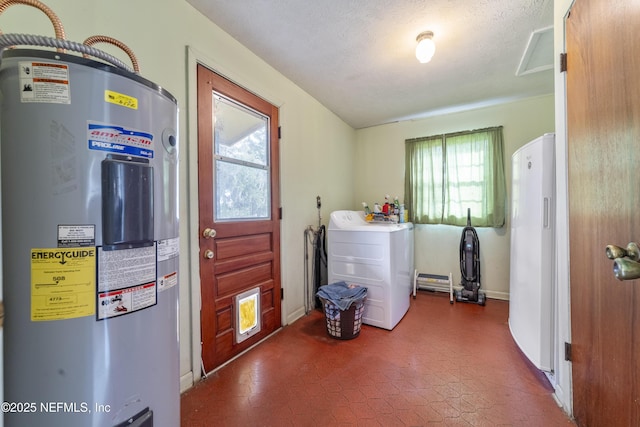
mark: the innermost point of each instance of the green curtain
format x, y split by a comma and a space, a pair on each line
423, 164
447, 174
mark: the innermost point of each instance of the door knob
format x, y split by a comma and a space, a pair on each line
626, 269
625, 261
208, 254
209, 233
632, 251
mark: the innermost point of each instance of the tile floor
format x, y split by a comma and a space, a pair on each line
441, 365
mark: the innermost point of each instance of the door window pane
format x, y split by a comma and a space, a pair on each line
240, 133
242, 192
241, 152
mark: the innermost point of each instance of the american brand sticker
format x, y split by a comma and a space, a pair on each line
117, 139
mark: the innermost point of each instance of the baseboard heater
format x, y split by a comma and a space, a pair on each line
433, 283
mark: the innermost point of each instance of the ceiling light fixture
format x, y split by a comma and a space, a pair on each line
426, 48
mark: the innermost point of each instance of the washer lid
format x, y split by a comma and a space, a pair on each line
354, 221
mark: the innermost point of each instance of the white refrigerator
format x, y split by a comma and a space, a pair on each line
531, 314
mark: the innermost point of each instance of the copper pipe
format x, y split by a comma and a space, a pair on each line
106, 39
57, 25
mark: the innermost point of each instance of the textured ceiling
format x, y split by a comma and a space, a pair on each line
357, 56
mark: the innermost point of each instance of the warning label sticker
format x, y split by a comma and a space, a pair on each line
125, 301
44, 82
63, 283
117, 139
126, 281
167, 281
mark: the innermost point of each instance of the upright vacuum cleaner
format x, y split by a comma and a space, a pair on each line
470, 266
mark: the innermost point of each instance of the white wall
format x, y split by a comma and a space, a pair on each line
316, 146
379, 170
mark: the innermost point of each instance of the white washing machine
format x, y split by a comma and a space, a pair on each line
378, 256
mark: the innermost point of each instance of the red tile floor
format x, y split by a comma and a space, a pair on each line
441, 365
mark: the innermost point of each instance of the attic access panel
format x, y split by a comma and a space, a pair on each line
538, 55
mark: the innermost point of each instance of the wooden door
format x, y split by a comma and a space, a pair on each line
238, 198
603, 125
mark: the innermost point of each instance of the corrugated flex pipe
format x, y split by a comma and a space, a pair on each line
57, 25
7, 40
90, 41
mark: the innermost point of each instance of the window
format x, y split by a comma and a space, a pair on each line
447, 174
241, 156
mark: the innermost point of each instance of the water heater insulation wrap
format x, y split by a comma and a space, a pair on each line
89, 164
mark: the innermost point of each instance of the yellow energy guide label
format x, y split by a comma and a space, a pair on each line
63, 283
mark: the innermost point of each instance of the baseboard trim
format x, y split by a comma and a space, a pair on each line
186, 381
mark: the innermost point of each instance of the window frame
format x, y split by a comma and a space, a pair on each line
428, 189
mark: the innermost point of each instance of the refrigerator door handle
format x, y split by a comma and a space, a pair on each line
545, 213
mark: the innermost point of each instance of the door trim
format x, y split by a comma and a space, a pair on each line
562, 374
191, 286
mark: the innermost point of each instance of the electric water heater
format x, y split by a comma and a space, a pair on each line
89, 162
